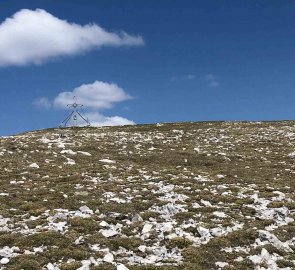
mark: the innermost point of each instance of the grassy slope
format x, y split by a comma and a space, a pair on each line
244, 153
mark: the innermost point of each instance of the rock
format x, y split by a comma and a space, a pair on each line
103, 224
4, 261
151, 259
38, 249
167, 227
58, 227
239, 259
121, 267
107, 161
267, 236
142, 248
79, 240
50, 266
146, 228
291, 155
86, 210
205, 233
85, 265
84, 153
206, 203
95, 247
136, 218
171, 236
196, 205
108, 233
70, 161
109, 257
221, 264
217, 231
70, 152
6, 252
34, 165
219, 214
263, 257
197, 149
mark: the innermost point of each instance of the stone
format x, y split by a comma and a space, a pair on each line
70, 152
50, 266
205, 233
167, 227
122, 267
136, 218
4, 261
267, 236
109, 258
142, 248
109, 233
107, 161
86, 210
34, 165
146, 228
219, 214
103, 224
221, 264
79, 240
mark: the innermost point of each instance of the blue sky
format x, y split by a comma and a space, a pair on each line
179, 61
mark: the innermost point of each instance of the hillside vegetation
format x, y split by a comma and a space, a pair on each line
208, 195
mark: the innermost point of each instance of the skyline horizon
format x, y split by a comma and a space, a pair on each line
147, 124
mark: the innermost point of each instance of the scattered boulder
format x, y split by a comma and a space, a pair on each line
136, 218
86, 210
146, 228
108, 233
34, 166
142, 248
272, 239
121, 267
4, 261
109, 258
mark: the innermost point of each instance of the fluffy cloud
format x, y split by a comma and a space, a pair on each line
95, 97
36, 36
212, 80
97, 119
98, 95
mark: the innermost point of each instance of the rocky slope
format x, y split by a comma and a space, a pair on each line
212, 195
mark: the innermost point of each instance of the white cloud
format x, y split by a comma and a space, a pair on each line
97, 119
98, 95
43, 103
95, 97
36, 36
212, 80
